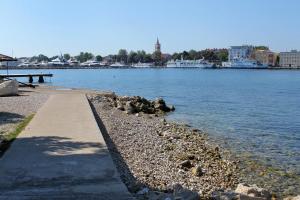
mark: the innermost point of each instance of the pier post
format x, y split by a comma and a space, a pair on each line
30, 79
41, 79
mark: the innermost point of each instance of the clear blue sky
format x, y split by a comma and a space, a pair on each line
30, 27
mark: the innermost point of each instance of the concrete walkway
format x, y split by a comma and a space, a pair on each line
61, 155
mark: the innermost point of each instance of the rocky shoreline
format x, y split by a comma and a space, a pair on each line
161, 160
156, 159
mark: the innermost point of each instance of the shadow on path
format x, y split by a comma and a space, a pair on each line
56, 167
8, 117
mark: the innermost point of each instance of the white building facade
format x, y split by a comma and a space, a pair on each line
240, 52
290, 59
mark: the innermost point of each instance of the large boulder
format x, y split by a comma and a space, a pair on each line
243, 192
9, 88
253, 191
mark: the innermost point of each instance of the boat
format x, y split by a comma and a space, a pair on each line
118, 64
142, 65
25, 64
73, 62
200, 63
242, 63
91, 63
58, 62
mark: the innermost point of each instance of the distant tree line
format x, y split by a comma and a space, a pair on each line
212, 55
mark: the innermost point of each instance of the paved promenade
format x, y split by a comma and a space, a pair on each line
61, 155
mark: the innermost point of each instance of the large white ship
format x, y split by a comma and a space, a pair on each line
201, 63
242, 63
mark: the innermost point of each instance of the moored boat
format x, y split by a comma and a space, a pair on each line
242, 63
200, 63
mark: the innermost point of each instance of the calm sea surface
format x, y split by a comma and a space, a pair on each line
250, 111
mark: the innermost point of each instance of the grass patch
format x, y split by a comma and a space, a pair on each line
10, 137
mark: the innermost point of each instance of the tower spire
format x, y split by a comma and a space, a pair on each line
157, 46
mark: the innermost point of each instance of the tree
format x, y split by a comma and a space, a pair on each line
67, 56
148, 58
176, 56
141, 56
261, 48
53, 57
83, 57
133, 57
98, 58
157, 58
39, 58
193, 54
122, 56
222, 55
185, 55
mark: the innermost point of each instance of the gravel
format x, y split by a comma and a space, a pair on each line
14, 109
154, 154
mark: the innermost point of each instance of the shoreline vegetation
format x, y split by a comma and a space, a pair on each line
7, 139
158, 159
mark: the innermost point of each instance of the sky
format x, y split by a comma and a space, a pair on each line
51, 27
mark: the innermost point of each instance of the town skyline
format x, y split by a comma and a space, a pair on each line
50, 27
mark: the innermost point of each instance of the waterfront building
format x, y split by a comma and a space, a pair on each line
265, 57
240, 52
290, 59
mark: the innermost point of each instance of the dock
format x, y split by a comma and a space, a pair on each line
61, 154
30, 76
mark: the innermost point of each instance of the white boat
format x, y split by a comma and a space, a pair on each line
242, 63
73, 62
201, 63
25, 64
91, 63
44, 64
118, 64
57, 62
142, 65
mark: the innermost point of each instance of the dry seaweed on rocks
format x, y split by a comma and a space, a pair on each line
168, 159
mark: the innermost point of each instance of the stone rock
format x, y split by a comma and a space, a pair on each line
293, 198
221, 195
159, 104
166, 133
185, 164
181, 193
111, 95
230, 195
129, 108
9, 88
172, 108
143, 191
137, 104
124, 98
120, 106
253, 191
163, 120
197, 171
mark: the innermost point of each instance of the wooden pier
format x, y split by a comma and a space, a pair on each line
30, 76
